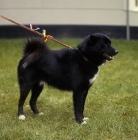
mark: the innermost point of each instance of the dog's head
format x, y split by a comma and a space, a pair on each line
97, 48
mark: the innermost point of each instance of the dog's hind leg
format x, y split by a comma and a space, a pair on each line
36, 90
24, 90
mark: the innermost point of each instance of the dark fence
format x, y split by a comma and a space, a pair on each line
68, 31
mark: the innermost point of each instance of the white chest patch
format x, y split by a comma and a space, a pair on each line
93, 78
41, 83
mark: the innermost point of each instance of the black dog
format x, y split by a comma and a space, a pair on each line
67, 69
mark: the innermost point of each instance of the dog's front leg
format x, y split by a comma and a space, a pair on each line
83, 104
78, 106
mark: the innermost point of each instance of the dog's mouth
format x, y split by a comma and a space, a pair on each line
108, 57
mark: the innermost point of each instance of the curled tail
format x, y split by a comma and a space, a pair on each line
34, 49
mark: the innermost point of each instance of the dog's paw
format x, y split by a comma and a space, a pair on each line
84, 122
21, 117
41, 113
85, 119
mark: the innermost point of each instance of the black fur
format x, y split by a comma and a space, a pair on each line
66, 69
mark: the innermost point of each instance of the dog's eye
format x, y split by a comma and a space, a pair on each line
105, 45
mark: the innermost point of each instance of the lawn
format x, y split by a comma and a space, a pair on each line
111, 105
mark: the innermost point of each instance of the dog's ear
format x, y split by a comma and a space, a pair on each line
93, 38
108, 34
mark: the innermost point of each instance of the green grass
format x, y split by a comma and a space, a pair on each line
112, 102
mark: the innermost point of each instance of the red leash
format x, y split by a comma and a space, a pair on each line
45, 37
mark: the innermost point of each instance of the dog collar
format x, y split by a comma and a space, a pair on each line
86, 59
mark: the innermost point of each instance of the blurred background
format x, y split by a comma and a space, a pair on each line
71, 18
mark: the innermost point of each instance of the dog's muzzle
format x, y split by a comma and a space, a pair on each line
110, 57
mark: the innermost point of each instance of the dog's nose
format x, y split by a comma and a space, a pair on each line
116, 52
